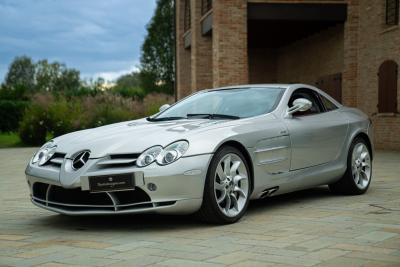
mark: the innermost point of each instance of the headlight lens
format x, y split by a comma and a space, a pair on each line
44, 153
172, 152
163, 156
148, 156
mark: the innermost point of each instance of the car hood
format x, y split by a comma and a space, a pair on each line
130, 137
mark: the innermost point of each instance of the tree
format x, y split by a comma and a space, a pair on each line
56, 77
157, 58
21, 74
129, 85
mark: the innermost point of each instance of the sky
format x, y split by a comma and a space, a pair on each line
101, 38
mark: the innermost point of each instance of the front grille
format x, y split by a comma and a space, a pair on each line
118, 161
77, 200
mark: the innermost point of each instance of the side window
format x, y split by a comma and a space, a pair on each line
329, 106
309, 95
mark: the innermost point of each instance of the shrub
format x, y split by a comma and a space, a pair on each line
57, 115
33, 127
11, 112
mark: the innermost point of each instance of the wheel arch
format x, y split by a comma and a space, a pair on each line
246, 154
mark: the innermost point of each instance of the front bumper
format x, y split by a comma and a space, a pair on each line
179, 189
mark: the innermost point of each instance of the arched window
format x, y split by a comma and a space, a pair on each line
387, 96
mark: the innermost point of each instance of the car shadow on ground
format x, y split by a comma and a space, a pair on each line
155, 222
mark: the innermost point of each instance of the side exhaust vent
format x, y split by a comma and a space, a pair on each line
268, 192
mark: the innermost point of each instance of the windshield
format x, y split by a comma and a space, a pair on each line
225, 104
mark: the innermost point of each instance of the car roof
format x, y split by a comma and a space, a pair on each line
266, 85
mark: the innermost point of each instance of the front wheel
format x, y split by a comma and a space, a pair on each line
357, 177
227, 188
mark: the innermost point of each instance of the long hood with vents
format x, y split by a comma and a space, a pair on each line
130, 137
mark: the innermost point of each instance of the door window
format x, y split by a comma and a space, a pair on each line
329, 106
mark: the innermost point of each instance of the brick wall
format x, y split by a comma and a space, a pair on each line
183, 56
377, 43
308, 59
230, 59
201, 52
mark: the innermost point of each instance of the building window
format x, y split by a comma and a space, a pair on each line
392, 12
387, 92
187, 19
206, 6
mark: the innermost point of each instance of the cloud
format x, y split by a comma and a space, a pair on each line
111, 76
96, 37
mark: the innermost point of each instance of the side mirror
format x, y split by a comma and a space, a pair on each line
300, 104
164, 107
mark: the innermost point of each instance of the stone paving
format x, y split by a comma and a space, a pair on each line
309, 228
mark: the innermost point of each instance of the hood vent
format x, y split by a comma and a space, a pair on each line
56, 160
118, 161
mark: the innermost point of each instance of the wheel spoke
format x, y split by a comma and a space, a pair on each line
364, 156
220, 173
240, 191
357, 177
222, 197
219, 186
239, 178
228, 203
363, 175
234, 168
227, 165
365, 164
359, 150
235, 202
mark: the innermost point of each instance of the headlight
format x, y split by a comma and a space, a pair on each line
148, 156
172, 152
44, 153
162, 156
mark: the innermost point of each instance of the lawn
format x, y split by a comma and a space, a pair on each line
10, 140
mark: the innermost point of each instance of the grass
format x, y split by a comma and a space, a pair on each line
10, 140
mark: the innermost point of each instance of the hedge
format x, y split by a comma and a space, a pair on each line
11, 112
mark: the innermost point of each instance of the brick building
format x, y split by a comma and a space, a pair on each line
349, 48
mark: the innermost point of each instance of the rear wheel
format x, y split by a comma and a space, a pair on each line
227, 188
357, 177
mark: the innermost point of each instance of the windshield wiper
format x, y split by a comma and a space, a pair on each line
165, 118
213, 116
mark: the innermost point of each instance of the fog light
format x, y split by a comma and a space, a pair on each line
152, 187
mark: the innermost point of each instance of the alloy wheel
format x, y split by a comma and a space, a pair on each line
361, 165
231, 185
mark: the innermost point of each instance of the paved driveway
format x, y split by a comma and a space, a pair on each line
309, 228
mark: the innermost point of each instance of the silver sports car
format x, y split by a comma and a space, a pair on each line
208, 154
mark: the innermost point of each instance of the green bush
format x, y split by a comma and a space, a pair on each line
58, 115
129, 92
11, 112
33, 127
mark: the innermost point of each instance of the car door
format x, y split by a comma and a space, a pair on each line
316, 135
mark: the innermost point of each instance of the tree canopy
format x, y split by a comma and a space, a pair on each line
157, 58
21, 73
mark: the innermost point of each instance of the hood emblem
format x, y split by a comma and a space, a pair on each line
80, 159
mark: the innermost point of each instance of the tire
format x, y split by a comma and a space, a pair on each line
358, 175
226, 191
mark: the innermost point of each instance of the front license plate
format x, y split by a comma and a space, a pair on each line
118, 182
